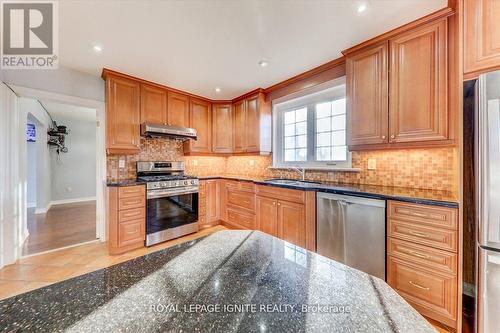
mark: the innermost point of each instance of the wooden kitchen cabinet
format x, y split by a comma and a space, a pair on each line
367, 85
178, 110
200, 118
123, 111
397, 89
252, 127
213, 201
422, 258
267, 215
126, 218
481, 37
418, 108
153, 105
292, 223
222, 128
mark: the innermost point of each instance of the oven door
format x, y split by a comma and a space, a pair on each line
171, 213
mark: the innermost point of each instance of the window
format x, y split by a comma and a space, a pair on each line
310, 131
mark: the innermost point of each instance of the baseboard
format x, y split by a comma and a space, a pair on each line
43, 210
74, 200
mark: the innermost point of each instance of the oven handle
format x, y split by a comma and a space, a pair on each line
155, 194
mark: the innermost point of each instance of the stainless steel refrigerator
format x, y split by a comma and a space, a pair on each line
487, 169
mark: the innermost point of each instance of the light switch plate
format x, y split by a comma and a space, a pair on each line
195, 162
251, 162
121, 163
372, 164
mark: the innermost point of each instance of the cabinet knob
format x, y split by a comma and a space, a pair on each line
393, 136
274, 202
383, 136
279, 204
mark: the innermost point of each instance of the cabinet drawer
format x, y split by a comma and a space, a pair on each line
241, 199
434, 237
132, 202
432, 294
131, 191
240, 186
423, 255
131, 232
246, 221
281, 193
131, 214
441, 217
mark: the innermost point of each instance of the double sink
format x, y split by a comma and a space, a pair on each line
281, 181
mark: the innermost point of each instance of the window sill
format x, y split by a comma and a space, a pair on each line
317, 168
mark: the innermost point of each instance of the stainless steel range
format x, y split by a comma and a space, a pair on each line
172, 200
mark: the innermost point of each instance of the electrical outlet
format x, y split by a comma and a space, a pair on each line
251, 162
121, 163
372, 164
195, 162
68, 189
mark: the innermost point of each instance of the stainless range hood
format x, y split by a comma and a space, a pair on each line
161, 131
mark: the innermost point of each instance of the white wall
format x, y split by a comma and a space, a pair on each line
12, 189
63, 81
43, 168
74, 172
31, 167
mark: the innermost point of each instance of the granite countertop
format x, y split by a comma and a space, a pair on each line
421, 196
125, 182
230, 281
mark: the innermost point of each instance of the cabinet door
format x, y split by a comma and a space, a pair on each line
481, 35
153, 105
252, 134
122, 114
292, 223
367, 92
178, 110
267, 215
222, 129
201, 120
239, 127
418, 109
213, 200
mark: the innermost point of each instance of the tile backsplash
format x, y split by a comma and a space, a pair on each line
429, 168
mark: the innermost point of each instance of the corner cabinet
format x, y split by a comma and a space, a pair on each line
481, 37
123, 113
252, 125
397, 90
200, 118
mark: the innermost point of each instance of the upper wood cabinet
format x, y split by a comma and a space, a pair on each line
178, 110
404, 102
367, 87
239, 121
252, 125
200, 118
222, 128
123, 111
481, 36
418, 108
153, 104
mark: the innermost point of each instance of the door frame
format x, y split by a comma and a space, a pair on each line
99, 106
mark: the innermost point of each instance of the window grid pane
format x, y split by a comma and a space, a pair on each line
295, 135
331, 131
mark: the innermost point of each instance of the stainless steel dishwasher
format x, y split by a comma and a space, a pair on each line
351, 230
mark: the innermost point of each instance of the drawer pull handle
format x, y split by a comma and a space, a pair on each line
418, 286
420, 214
419, 234
416, 254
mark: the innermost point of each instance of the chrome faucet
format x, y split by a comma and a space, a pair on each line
301, 170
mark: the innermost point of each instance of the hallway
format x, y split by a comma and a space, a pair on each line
62, 225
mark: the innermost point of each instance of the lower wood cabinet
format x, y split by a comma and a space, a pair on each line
213, 201
267, 215
422, 258
126, 209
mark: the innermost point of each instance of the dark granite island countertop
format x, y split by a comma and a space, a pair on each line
230, 281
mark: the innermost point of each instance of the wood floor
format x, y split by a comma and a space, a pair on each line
44, 269
63, 225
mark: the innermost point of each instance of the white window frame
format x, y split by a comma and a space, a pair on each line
335, 89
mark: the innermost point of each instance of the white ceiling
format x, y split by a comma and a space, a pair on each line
199, 45
57, 110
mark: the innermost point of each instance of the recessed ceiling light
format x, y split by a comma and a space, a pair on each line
362, 7
217, 90
263, 63
97, 48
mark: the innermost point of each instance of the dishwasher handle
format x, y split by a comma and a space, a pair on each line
347, 200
